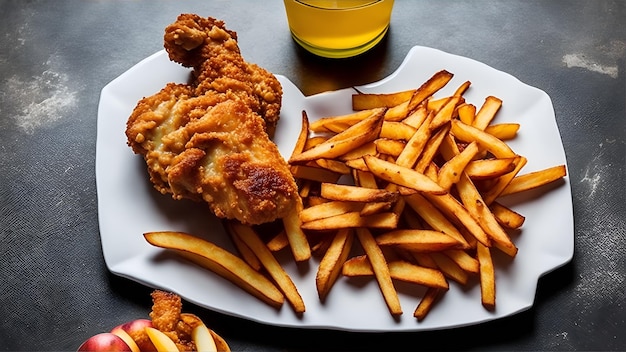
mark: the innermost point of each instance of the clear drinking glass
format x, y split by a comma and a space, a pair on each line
338, 28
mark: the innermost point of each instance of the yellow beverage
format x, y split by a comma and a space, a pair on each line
338, 28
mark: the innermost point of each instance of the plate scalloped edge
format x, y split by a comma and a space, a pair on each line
128, 206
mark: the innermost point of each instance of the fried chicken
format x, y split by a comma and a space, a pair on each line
210, 139
167, 317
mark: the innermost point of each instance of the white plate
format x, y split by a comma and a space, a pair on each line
129, 206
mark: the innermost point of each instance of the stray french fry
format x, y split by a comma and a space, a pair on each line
270, 264
220, 262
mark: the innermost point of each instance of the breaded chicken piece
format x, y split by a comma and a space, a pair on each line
167, 317
208, 140
207, 46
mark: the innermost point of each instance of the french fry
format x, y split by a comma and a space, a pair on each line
388, 220
489, 168
450, 173
485, 140
418, 240
362, 132
331, 264
297, 239
435, 218
329, 209
330, 124
244, 251
402, 176
450, 268
427, 302
303, 136
430, 87
399, 270
396, 131
534, 180
356, 194
363, 101
381, 270
503, 131
487, 112
219, 261
275, 270
487, 277
507, 217
475, 205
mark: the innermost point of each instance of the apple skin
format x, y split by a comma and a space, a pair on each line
104, 342
136, 329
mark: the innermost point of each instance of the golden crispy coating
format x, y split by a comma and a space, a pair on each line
212, 51
209, 140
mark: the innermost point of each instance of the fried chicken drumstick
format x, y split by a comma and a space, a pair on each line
210, 139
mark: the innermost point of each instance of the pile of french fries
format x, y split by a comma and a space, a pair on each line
405, 188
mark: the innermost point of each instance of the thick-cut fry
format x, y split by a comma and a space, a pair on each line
487, 112
363, 101
503, 181
507, 217
402, 176
444, 115
429, 299
451, 171
430, 87
335, 166
330, 124
331, 264
503, 131
329, 209
381, 270
433, 216
474, 203
275, 270
485, 140
391, 147
534, 179
387, 220
399, 270
467, 113
413, 148
450, 268
487, 277
418, 240
297, 239
220, 262
463, 259
456, 210
396, 131
489, 168
356, 194
244, 251
362, 132
302, 136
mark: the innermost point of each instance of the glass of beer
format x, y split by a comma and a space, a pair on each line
338, 28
